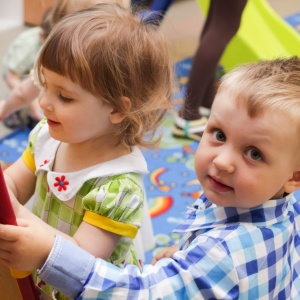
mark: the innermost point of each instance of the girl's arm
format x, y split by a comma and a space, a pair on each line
96, 241
21, 183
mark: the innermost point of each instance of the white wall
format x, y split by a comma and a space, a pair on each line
11, 13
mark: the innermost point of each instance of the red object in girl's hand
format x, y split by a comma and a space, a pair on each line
7, 216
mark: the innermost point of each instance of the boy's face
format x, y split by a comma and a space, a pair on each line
243, 161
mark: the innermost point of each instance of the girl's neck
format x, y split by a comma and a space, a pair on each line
76, 157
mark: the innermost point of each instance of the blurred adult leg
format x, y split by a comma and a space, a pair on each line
222, 23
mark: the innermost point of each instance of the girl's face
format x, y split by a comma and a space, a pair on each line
243, 161
74, 114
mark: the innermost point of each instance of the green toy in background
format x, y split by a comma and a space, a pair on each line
263, 34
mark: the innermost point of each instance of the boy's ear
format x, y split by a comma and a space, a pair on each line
116, 116
293, 184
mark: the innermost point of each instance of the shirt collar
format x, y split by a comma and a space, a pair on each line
66, 185
204, 214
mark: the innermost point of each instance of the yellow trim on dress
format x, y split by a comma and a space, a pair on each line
19, 274
110, 225
29, 160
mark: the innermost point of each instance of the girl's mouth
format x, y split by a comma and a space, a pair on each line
52, 123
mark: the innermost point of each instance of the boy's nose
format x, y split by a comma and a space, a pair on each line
224, 162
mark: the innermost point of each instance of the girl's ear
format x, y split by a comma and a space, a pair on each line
116, 116
293, 184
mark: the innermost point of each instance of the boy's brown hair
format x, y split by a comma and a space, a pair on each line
266, 85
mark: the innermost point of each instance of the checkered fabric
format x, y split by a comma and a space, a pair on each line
226, 253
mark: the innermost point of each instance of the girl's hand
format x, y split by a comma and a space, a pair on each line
25, 247
165, 253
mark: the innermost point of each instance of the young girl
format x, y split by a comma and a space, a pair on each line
106, 84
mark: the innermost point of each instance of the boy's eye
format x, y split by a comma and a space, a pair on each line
254, 154
219, 135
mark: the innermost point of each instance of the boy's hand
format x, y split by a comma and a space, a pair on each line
25, 247
165, 253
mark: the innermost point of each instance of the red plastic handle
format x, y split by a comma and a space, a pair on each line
7, 216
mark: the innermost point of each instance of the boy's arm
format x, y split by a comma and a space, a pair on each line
190, 274
202, 271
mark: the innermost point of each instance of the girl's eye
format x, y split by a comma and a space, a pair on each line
64, 99
254, 154
219, 135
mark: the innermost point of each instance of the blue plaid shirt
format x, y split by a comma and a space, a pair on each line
225, 253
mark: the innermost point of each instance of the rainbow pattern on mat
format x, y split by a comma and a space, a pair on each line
159, 205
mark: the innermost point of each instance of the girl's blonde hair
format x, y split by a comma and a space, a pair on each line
112, 54
266, 85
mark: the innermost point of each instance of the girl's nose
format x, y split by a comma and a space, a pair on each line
44, 100
225, 162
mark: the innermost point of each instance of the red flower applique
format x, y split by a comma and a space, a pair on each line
45, 162
61, 183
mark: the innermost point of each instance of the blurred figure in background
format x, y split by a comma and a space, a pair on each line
25, 92
222, 23
17, 64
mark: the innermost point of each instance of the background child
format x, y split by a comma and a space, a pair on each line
83, 163
25, 93
241, 238
18, 62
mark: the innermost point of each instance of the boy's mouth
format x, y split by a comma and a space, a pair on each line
218, 185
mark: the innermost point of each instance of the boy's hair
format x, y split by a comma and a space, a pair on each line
266, 85
112, 54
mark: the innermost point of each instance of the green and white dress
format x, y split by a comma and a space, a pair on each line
109, 195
